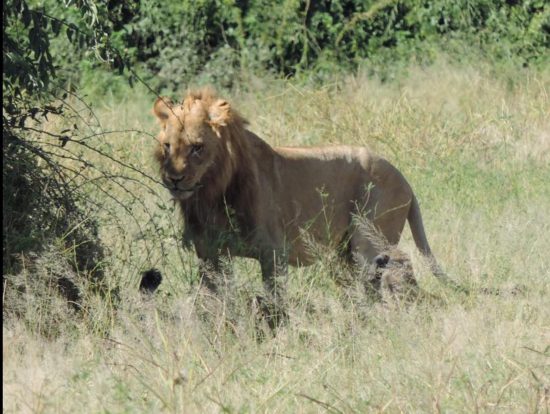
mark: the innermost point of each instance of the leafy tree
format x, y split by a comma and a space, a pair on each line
41, 205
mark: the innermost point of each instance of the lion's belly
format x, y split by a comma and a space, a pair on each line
302, 255
309, 238
299, 257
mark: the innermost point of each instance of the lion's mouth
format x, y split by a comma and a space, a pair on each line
183, 193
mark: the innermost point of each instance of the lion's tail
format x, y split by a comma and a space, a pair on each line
420, 239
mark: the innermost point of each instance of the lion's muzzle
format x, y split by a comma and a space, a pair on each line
181, 192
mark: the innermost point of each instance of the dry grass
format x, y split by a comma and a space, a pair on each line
475, 147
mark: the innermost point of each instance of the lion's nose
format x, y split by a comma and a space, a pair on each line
174, 179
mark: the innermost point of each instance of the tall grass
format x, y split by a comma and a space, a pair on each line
475, 145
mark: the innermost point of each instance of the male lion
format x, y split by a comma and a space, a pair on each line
241, 197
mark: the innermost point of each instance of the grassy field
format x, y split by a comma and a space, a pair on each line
475, 146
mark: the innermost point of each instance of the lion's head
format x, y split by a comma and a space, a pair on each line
194, 148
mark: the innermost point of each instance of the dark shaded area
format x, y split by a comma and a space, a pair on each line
50, 245
70, 291
150, 281
40, 208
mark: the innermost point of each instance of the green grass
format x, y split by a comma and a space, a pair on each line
475, 145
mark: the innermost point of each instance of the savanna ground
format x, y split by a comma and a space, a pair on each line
475, 146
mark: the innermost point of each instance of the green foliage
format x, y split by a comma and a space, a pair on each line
41, 205
172, 43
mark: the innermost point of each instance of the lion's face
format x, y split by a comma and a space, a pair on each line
188, 145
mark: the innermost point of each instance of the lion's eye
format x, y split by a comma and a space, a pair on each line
196, 149
166, 147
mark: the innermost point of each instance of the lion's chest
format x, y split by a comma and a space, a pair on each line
222, 231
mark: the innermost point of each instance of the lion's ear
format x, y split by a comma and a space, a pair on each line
162, 108
188, 103
219, 113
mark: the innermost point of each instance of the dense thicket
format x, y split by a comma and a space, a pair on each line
43, 213
171, 42
174, 41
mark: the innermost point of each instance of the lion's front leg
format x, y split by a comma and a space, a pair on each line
274, 264
211, 269
210, 273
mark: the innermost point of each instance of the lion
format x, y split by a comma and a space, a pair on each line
240, 196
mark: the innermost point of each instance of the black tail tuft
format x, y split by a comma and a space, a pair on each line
150, 281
